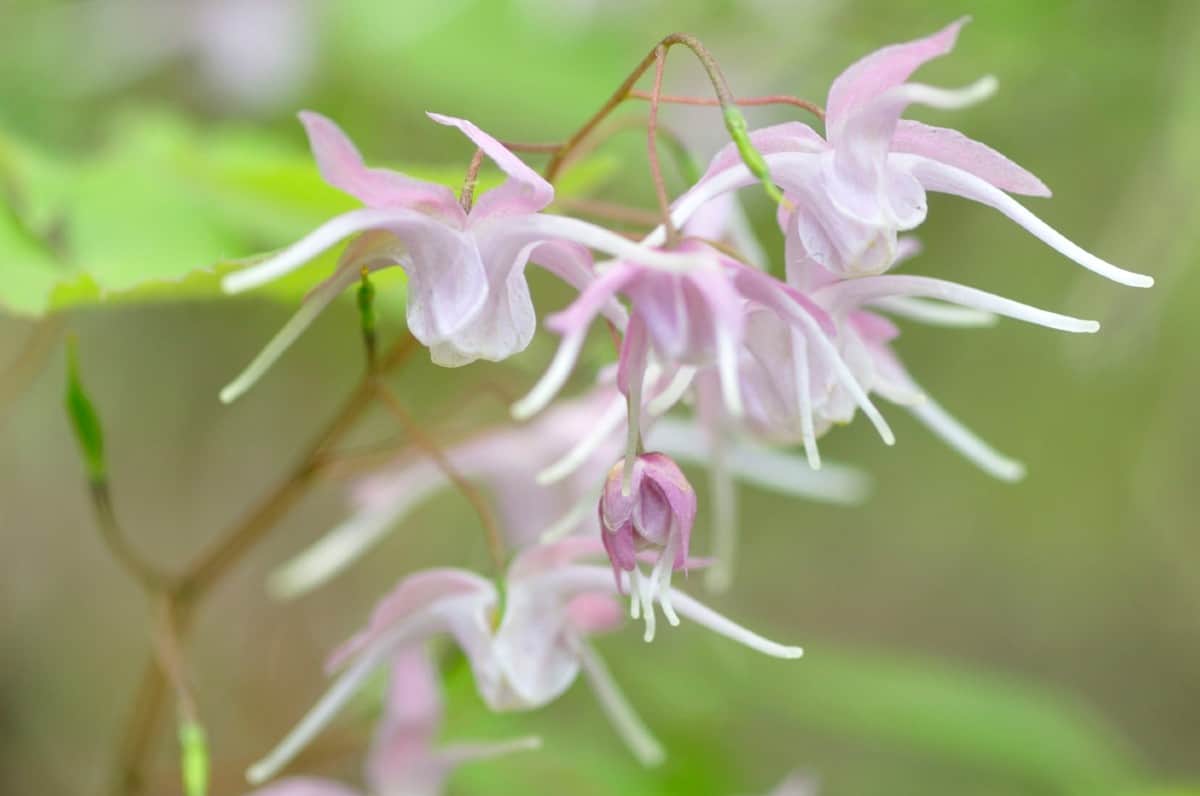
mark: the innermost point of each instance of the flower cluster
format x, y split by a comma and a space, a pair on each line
718, 363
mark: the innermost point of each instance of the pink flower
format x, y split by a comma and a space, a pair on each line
866, 180
792, 399
649, 507
689, 318
523, 659
467, 294
404, 759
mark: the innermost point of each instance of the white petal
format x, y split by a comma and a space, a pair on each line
702, 614
311, 245
940, 177
963, 440
320, 298
934, 313
846, 295
616, 707
553, 379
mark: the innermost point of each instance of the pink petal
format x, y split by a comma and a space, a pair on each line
595, 612
785, 137
342, 166
409, 726
525, 191
305, 786
883, 69
955, 149
415, 593
543, 558
576, 318
572, 263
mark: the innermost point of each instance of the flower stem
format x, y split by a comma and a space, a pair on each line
735, 123
660, 186
747, 102
495, 541
209, 569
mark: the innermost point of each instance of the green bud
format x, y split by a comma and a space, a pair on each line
735, 123
84, 420
193, 755
366, 314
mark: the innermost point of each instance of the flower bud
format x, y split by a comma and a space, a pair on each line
651, 512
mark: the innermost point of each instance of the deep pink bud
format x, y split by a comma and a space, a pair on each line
651, 512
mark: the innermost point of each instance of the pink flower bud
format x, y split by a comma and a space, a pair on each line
651, 512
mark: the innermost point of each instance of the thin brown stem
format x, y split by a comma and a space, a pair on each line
29, 360
725, 98
147, 575
612, 211
746, 102
186, 593
170, 658
467, 197
656, 175
479, 503
247, 533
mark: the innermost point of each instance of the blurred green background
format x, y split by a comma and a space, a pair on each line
963, 636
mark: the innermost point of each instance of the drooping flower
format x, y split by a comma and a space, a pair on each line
404, 758
866, 180
467, 294
650, 508
688, 318
528, 658
790, 398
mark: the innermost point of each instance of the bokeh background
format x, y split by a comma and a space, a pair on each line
963, 636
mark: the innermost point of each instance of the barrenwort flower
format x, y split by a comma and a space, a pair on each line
524, 658
651, 508
405, 759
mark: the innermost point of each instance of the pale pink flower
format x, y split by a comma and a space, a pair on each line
855, 189
523, 659
791, 398
405, 758
689, 318
467, 294
649, 507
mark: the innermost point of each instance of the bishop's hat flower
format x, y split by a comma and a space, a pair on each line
405, 759
522, 659
467, 294
652, 511
866, 180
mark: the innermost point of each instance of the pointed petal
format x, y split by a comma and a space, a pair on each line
616, 707
955, 149
316, 302
934, 313
415, 595
342, 166
317, 241
844, 296
867, 134
573, 264
942, 178
417, 627
525, 191
883, 69
702, 614
409, 726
